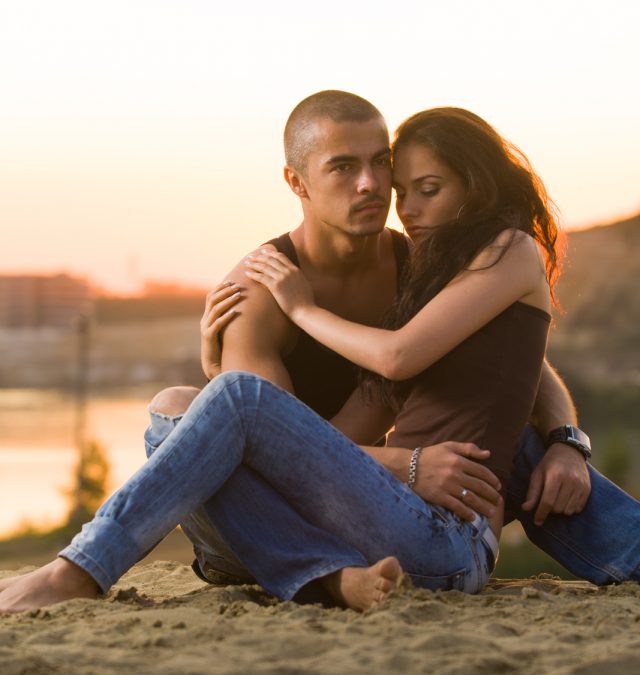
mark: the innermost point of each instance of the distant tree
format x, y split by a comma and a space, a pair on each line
617, 459
90, 483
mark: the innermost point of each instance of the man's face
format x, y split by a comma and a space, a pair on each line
348, 176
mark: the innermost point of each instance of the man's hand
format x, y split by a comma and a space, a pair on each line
559, 484
444, 470
218, 312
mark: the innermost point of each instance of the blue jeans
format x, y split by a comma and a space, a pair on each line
335, 506
600, 544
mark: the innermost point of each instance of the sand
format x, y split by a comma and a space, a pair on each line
161, 619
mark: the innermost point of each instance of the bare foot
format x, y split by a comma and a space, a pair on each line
5, 583
59, 580
364, 587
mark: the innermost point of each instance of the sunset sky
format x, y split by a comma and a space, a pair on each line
142, 138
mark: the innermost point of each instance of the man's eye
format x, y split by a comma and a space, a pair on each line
383, 161
341, 168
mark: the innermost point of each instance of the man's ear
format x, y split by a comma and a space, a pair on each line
295, 182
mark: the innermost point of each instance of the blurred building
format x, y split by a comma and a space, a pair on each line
33, 301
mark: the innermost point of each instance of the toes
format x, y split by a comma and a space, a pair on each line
384, 585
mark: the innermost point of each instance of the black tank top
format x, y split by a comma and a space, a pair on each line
321, 378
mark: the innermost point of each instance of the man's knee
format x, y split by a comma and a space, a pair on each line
173, 400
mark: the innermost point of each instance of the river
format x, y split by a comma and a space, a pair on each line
37, 454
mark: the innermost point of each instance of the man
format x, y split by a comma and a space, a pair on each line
337, 155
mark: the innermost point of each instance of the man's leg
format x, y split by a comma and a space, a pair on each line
241, 506
215, 562
600, 544
356, 511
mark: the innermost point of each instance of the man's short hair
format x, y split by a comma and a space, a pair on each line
338, 106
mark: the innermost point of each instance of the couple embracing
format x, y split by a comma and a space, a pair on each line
440, 339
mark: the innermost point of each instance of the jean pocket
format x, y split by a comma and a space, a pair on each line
442, 515
447, 582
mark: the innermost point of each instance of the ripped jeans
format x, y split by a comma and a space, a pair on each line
292, 498
601, 544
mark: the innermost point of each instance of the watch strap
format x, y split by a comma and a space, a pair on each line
570, 435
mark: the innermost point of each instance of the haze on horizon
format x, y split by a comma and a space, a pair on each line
142, 138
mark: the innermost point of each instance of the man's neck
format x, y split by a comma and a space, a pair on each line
330, 251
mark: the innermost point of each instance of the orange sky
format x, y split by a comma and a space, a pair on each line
141, 138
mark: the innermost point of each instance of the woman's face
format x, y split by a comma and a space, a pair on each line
428, 192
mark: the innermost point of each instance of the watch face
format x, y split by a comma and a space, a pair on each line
573, 433
572, 436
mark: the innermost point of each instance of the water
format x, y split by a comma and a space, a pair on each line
37, 454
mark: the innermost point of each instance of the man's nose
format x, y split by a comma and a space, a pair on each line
368, 181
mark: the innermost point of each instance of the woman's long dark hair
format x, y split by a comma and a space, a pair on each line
502, 192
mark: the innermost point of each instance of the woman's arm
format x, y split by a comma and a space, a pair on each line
466, 304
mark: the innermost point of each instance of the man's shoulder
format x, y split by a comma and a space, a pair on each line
259, 317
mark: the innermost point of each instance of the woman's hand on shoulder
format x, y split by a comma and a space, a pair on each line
286, 282
220, 309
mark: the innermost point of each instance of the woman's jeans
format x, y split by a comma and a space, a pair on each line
292, 497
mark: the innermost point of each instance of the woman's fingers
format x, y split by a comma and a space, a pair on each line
219, 293
223, 305
479, 504
458, 507
223, 320
268, 265
218, 307
482, 490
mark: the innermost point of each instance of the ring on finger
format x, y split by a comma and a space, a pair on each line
463, 493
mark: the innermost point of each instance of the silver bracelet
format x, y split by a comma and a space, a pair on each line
413, 467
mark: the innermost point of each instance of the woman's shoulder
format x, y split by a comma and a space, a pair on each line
512, 246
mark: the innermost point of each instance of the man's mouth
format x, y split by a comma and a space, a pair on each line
369, 206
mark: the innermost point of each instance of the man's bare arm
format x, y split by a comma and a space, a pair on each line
553, 405
560, 483
362, 418
259, 335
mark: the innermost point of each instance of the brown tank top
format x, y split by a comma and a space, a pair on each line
482, 391
321, 378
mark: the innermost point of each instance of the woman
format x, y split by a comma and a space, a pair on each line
358, 523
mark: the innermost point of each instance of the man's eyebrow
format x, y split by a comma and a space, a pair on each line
338, 159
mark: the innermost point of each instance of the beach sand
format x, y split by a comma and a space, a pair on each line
161, 619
